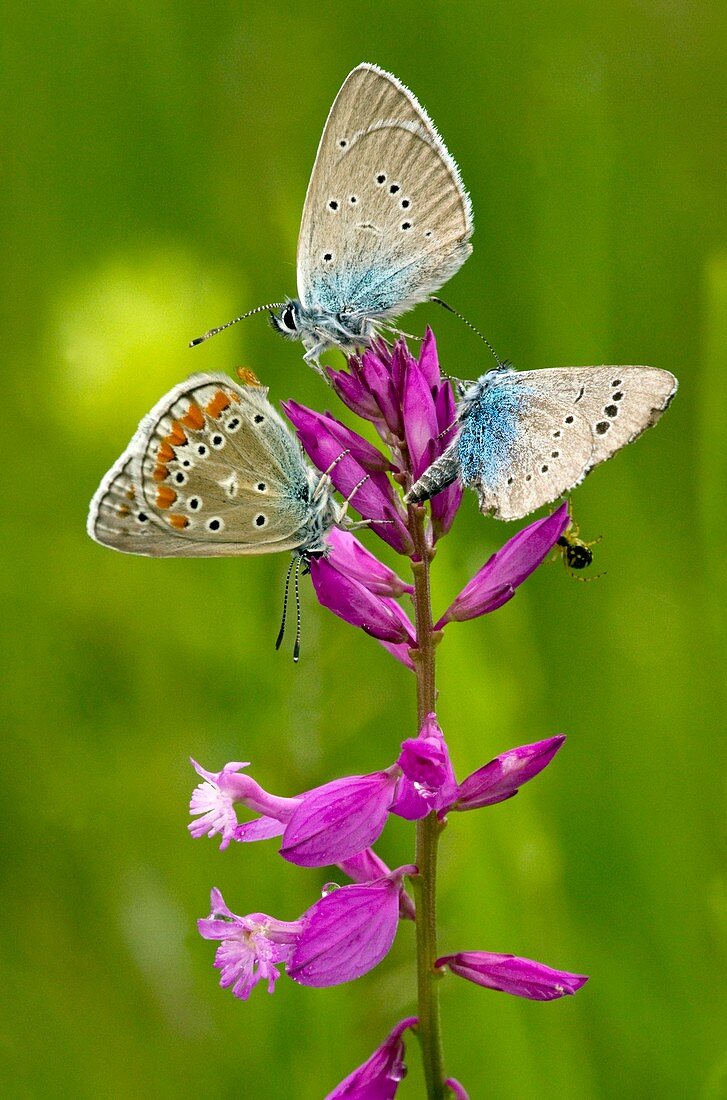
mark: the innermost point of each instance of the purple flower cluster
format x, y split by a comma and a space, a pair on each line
350, 929
412, 408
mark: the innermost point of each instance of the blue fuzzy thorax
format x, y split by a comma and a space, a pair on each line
490, 413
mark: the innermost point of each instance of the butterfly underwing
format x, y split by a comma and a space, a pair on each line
524, 438
386, 219
213, 470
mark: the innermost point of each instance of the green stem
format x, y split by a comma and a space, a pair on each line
428, 830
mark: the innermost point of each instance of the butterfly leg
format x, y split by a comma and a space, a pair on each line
312, 358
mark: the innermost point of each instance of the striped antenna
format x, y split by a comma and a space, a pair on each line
221, 328
451, 309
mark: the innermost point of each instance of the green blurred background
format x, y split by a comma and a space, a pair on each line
155, 158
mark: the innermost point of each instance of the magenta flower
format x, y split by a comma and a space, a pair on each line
498, 579
428, 782
215, 799
445, 504
250, 947
379, 616
367, 866
410, 404
401, 650
348, 932
372, 388
357, 471
510, 974
421, 426
351, 558
503, 776
380, 1075
339, 820
329, 438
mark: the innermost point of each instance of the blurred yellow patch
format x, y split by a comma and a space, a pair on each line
122, 333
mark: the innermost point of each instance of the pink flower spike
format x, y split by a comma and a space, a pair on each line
380, 1075
214, 800
428, 782
348, 932
498, 579
250, 947
351, 601
339, 820
503, 776
351, 558
510, 974
456, 1089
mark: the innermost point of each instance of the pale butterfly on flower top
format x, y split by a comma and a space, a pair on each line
386, 220
524, 438
211, 471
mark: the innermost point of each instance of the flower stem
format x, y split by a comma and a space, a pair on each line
428, 830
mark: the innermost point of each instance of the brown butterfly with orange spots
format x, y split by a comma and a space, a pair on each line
213, 470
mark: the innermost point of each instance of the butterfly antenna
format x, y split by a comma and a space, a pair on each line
356, 488
281, 632
451, 309
296, 647
221, 328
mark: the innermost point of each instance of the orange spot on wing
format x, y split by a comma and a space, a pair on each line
122, 510
165, 453
218, 404
194, 417
130, 493
176, 437
178, 521
160, 472
165, 496
248, 377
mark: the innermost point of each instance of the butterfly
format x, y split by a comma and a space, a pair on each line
526, 437
213, 470
386, 220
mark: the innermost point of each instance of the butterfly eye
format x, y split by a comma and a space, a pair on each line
288, 319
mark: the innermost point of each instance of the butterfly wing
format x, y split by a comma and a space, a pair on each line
212, 470
534, 435
386, 218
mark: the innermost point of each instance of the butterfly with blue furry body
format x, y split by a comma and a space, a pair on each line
386, 220
524, 438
